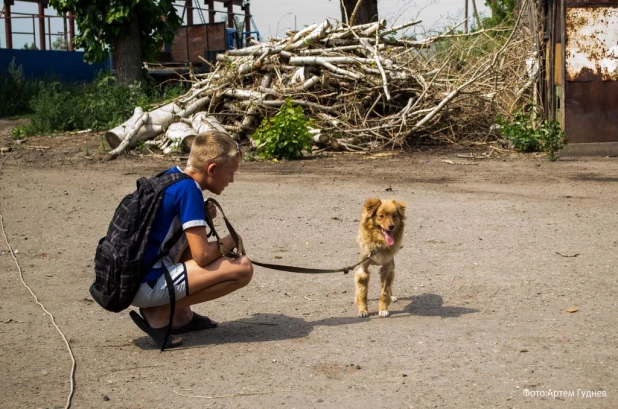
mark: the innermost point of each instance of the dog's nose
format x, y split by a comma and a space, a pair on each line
391, 226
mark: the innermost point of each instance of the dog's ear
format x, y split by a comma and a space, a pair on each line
401, 209
371, 207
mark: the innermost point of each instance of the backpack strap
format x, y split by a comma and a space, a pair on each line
172, 292
165, 251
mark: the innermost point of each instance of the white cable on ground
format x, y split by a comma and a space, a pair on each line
53, 320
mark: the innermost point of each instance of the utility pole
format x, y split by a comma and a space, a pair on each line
466, 17
479, 25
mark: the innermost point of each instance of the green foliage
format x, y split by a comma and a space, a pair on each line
30, 47
520, 130
104, 104
100, 22
100, 105
528, 137
18, 132
501, 12
53, 109
285, 135
60, 43
552, 139
15, 91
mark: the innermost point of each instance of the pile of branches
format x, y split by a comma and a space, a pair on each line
364, 87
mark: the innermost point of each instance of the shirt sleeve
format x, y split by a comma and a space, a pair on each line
190, 206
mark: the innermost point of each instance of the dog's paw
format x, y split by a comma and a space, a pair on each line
393, 299
363, 314
384, 313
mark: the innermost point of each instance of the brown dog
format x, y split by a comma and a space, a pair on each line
380, 234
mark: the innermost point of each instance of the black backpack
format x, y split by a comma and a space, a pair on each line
118, 260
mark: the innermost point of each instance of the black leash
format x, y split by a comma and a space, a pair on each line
293, 269
240, 249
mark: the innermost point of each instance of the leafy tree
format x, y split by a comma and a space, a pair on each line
60, 43
367, 11
132, 30
30, 47
501, 11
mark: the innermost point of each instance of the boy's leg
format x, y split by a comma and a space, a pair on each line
220, 278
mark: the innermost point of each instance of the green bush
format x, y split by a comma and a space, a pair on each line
100, 105
285, 135
104, 104
520, 131
54, 110
15, 91
526, 136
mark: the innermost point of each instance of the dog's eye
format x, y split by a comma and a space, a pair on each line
380, 216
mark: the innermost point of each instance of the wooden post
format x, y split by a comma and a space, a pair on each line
247, 18
8, 28
211, 11
42, 27
247, 38
189, 8
71, 32
230, 14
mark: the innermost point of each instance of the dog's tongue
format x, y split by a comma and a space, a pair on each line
388, 236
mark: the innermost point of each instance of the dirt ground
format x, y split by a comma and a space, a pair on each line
495, 256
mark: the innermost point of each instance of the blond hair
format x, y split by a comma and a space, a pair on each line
212, 146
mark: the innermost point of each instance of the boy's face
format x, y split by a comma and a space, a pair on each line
219, 176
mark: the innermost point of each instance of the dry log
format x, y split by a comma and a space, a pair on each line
321, 139
180, 135
132, 132
315, 35
155, 124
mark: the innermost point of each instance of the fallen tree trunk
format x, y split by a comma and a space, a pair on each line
156, 123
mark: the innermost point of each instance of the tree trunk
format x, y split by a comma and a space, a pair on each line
127, 53
367, 11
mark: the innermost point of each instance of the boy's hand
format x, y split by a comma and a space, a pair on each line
211, 209
228, 243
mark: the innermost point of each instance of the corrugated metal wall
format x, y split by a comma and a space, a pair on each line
64, 65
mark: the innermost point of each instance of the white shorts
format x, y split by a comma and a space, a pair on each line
155, 293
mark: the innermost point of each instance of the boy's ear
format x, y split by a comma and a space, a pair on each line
210, 168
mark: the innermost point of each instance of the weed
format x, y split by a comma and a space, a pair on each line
520, 130
103, 146
552, 139
284, 136
527, 136
19, 132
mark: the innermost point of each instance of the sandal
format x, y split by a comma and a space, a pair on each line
156, 334
198, 322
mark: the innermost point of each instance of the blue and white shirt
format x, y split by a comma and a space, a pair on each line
183, 205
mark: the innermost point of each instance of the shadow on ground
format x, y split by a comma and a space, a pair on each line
276, 327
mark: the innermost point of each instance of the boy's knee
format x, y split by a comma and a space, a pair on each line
246, 269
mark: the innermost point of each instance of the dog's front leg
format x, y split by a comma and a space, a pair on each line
362, 284
387, 274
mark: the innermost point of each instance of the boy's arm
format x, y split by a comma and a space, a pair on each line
204, 252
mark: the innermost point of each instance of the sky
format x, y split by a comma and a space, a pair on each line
274, 17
